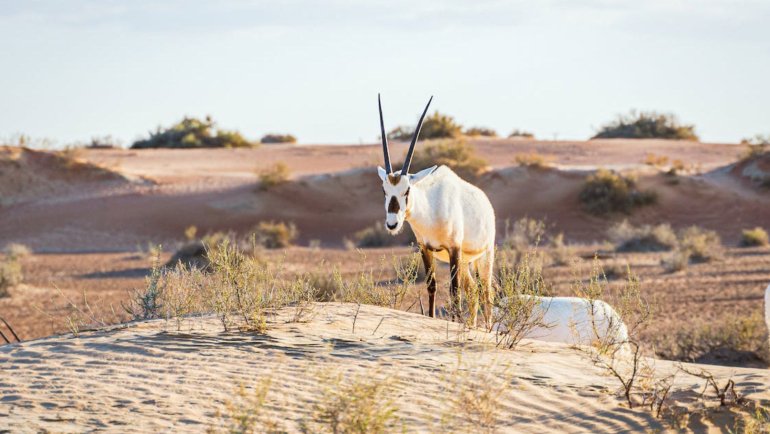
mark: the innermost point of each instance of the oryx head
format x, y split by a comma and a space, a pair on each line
396, 185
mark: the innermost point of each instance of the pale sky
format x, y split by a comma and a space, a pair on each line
74, 69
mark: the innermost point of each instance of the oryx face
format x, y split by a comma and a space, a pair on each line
396, 185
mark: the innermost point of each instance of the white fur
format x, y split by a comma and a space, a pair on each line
767, 310
570, 320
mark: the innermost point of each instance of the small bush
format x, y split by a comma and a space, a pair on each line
607, 192
360, 404
435, 126
278, 138
524, 234
11, 274
655, 160
456, 154
517, 133
560, 253
193, 133
646, 238
17, 251
532, 159
480, 131
272, 235
647, 125
754, 237
247, 412
274, 175
702, 245
374, 236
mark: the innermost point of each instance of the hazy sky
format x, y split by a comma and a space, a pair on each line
73, 69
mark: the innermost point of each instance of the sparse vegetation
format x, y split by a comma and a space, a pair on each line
246, 413
645, 238
193, 133
517, 133
435, 126
694, 245
275, 235
476, 399
11, 274
606, 192
525, 233
647, 125
374, 236
277, 138
458, 155
273, 176
480, 131
532, 159
754, 237
363, 403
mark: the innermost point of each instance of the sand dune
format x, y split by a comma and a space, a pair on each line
148, 376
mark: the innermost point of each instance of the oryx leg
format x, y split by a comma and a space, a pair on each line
430, 278
455, 262
485, 265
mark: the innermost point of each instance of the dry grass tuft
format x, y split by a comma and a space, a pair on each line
246, 413
272, 176
646, 238
275, 235
533, 160
480, 131
754, 237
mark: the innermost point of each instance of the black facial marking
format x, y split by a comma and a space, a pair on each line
393, 205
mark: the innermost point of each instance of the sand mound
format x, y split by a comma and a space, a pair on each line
27, 174
149, 377
755, 169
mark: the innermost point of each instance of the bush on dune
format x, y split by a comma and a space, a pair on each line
456, 154
646, 238
754, 237
278, 138
193, 133
275, 235
517, 133
435, 126
274, 175
607, 192
480, 131
647, 125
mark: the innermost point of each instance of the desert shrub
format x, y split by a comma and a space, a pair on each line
523, 234
104, 142
11, 274
702, 245
274, 175
374, 236
758, 140
17, 250
246, 412
275, 235
480, 131
193, 133
456, 154
435, 126
733, 340
517, 133
532, 159
645, 238
606, 192
647, 125
517, 309
364, 403
278, 138
655, 160
560, 252
146, 303
476, 397
754, 237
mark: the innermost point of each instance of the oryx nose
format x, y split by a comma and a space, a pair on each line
391, 227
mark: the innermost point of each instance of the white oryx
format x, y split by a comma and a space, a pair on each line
452, 220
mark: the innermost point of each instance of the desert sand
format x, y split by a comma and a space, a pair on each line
149, 377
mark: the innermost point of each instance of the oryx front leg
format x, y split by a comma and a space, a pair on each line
430, 279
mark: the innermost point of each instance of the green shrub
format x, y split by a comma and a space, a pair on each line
456, 154
517, 133
647, 125
608, 192
278, 138
754, 237
646, 238
274, 175
435, 126
193, 133
272, 235
480, 131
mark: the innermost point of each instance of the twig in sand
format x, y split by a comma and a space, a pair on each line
422, 310
378, 325
355, 317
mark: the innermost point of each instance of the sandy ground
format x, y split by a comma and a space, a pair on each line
149, 377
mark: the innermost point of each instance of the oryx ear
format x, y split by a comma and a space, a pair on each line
383, 174
419, 176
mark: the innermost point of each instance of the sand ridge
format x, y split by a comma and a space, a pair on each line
148, 376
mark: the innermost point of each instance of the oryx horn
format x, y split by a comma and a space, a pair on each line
388, 168
408, 160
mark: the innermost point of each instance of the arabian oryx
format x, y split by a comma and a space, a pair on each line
452, 220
